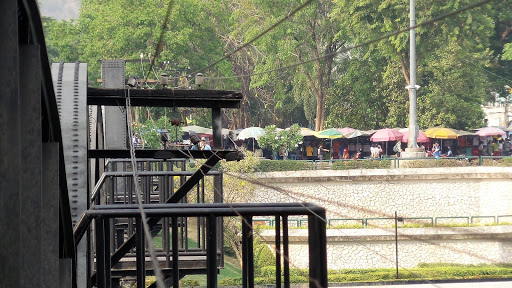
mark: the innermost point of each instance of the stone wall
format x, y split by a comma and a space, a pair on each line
433, 192
375, 248
418, 192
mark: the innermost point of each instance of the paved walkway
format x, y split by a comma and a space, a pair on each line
501, 284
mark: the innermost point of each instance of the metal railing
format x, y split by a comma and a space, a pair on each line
371, 221
395, 162
159, 180
104, 215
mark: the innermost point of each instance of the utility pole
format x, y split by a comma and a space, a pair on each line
413, 128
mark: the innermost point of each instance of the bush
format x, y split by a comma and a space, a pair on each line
263, 257
361, 164
507, 161
283, 165
189, 282
432, 163
231, 281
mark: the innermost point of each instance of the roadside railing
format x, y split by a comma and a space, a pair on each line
390, 163
379, 222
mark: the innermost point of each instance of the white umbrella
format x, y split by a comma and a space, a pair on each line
251, 132
197, 129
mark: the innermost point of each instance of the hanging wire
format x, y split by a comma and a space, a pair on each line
299, 201
288, 16
375, 40
159, 45
138, 193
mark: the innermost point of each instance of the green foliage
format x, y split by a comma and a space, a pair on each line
284, 165
263, 256
235, 281
361, 164
424, 271
286, 140
362, 88
270, 139
189, 283
149, 132
432, 162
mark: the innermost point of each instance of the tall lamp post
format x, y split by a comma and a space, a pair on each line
412, 87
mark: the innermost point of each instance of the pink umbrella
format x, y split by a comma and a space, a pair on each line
422, 137
386, 135
490, 131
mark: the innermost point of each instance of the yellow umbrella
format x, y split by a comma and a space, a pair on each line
441, 133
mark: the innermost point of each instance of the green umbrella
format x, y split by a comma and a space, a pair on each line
328, 134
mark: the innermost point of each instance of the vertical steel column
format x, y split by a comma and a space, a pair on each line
247, 253
218, 197
10, 152
140, 249
175, 254
31, 182
286, 253
217, 128
211, 253
278, 251
317, 250
101, 256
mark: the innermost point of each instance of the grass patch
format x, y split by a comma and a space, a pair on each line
231, 271
424, 271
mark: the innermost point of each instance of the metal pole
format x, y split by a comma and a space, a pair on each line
396, 242
413, 128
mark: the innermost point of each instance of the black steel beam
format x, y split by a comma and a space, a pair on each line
141, 253
164, 97
286, 253
175, 198
229, 155
278, 250
211, 251
317, 250
175, 254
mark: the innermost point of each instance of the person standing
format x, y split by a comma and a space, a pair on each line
506, 147
436, 151
321, 152
205, 145
309, 152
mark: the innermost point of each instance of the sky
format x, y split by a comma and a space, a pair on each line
60, 9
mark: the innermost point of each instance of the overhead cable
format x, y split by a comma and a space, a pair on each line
159, 45
258, 36
375, 40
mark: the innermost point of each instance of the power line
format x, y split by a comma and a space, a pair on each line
293, 12
477, 66
159, 45
378, 39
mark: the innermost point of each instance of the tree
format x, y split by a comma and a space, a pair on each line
285, 140
237, 190
311, 33
363, 21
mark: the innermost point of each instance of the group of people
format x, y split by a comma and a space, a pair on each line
338, 152
201, 145
375, 151
495, 147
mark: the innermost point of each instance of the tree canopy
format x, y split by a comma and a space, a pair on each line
285, 76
